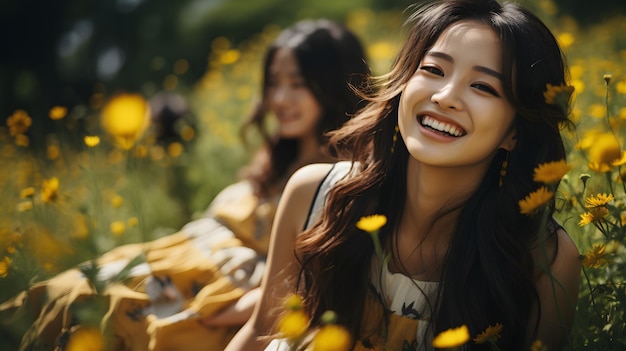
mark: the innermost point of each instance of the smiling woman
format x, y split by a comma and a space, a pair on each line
445, 151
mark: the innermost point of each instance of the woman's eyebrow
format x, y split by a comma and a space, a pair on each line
478, 68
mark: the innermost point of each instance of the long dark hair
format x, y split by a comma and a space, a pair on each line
487, 276
332, 62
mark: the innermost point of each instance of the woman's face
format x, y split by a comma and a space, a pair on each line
291, 101
453, 111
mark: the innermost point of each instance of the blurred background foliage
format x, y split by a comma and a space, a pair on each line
63, 51
64, 62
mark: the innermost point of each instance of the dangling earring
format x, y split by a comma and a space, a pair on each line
505, 164
394, 138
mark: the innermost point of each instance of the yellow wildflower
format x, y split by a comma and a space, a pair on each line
604, 149
22, 140
293, 302
453, 337
534, 200
86, 339
565, 39
57, 112
593, 215
371, 223
175, 149
53, 152
491, 334
551, 172
118, 227
132, 222
619, 161
19, 122
332, 337
230, 56
125, 117
27, 192
187, 133
117, 201
92, 140
595, 257
558, 94
598, 200
538, 346
4, 267
293, 324
50, 190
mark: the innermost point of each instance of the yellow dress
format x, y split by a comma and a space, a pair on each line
206, 266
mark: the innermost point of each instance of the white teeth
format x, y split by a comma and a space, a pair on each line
441, 126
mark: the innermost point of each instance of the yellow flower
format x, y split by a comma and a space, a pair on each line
117, 201
53, 152
598, 200
558, 94
371, 223
620, 161
50, 190
332, 337
604, 149
534, 200
27, 192
19, 122
293, 324
22, 140
595, 257
57, 112
565, 39
4, 267
293, 302
175, 149
132, 222
491, 334
538, 346
187, 133
118, 227
551, 172
86, 339
453, 337
125, 117
585, 218
92, 140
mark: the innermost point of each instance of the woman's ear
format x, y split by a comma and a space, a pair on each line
510, 141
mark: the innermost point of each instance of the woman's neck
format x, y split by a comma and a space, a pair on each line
309, 151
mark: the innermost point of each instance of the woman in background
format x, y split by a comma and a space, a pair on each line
198, 286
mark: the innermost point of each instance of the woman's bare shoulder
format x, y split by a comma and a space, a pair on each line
299, 193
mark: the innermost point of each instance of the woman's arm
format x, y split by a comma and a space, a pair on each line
282, 267
237, 313
558, 294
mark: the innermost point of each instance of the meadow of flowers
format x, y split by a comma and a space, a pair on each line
111, 181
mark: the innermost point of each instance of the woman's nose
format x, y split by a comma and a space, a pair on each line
280, 95
448, 97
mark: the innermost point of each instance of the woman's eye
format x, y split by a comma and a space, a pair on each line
433, 70
486, 88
